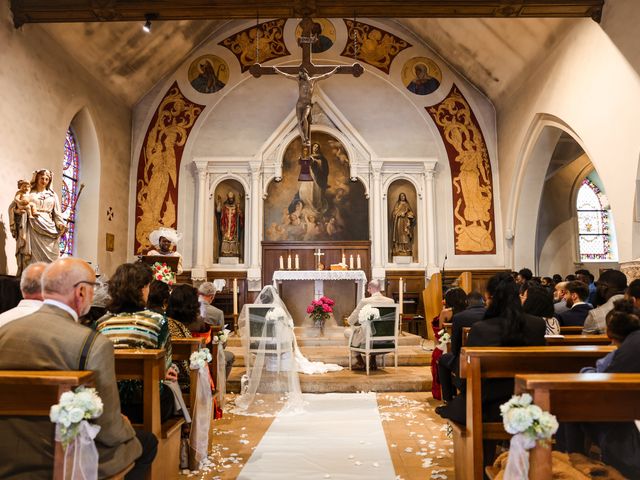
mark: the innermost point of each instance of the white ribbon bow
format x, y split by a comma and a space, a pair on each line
81, 455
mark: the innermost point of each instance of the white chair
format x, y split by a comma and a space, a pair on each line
261, 336
383, 337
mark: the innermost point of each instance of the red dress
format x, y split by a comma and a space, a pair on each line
435, 359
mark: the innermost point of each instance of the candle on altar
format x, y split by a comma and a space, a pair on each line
235, 296
289, 262
344, 259
297, 262
401, 295
358, 262
350, 262
281, 263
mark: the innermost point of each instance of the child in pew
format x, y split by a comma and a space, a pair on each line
619, 442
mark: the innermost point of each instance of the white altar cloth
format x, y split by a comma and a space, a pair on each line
319, 276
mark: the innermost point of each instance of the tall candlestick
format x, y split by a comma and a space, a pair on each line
401, 295
289, 262
350, 262
358, 262
297, 263
281, 263
344, 259
235, 296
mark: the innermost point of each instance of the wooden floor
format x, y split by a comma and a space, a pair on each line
416, 436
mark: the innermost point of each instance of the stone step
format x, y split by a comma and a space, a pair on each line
334, 337
407, 355
388, 379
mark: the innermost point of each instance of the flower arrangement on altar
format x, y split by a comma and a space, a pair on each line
163, 273
72, 409
528, 424
319, 310
200, 359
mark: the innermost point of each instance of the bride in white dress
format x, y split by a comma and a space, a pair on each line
272, 384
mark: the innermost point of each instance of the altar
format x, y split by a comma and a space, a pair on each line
298, 288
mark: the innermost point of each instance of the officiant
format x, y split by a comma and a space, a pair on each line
374, 287
164, 240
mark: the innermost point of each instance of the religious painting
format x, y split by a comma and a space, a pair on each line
421, 76
258, 44
330, 207
372, 45
402, 218
325, 33
208, 74
229, 226
159, 165
472, 183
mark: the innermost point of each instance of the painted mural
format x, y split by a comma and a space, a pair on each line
208, 74
373, 45
473, 213
331, 207
258, 44
159, 165
421, 75
325, 32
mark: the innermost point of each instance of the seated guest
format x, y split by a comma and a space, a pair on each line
633, 293
619, 442
587, 278
211, 315
449, 362
575, 298
504, 325
538, 302
610, 287
559, 303
374, 287
129, 324
525, 275
158, 300
454, 302
98, 306
31, 289
164, 240
52, 339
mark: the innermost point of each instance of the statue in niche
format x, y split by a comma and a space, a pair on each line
230, 219
403, 223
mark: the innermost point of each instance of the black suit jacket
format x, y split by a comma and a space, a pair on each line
460, 320
575, 316
626, 358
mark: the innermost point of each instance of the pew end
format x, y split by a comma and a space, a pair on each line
181, 350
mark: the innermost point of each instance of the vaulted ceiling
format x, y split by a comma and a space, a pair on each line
492, 53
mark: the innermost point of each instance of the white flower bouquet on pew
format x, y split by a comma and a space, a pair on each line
200, 359
445, 338
71, 415
528, 424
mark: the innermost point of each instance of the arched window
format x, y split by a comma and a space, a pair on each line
594, 224
70, 175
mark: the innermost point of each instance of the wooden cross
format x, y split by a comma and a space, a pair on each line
318, 254
306, 74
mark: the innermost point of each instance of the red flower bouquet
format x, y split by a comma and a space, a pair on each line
319, 310
163, 273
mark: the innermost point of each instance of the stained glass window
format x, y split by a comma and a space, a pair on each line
70, 172
594, 224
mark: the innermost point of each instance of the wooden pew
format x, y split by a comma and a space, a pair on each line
570, 330
32, 393
569, 340
599, 397
479, 363
181, 350
148, 365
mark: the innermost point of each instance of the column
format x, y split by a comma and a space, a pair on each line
254, 273
432, 262
377, 271
199, 271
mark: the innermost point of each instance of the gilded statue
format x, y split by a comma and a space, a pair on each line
404, 221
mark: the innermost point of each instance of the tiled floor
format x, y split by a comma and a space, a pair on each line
416, 437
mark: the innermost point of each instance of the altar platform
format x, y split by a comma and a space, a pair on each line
412, 375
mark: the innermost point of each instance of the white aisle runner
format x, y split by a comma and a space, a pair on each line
339, 436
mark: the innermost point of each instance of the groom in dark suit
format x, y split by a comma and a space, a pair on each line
576, 296
52, 339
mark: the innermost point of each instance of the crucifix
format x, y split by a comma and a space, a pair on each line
318, 254
307, 75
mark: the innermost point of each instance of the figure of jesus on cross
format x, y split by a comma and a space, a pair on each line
307, 75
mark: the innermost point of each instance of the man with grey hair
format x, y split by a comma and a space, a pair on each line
374, 287
210, 314
31, 288
52, 339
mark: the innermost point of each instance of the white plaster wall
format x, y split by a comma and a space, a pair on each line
42, 91
391, 123
587, 83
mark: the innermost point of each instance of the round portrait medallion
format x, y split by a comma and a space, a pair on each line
325, 32
208, 74
421, 75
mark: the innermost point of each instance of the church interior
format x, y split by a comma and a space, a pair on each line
435, 158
